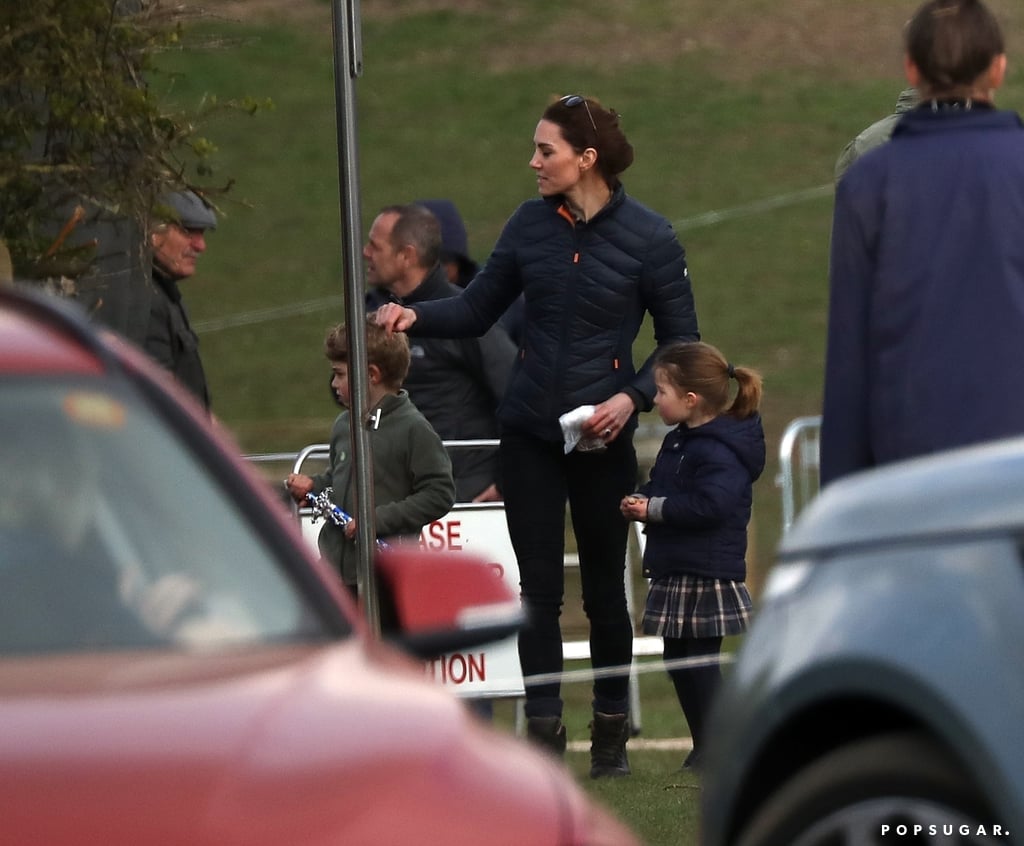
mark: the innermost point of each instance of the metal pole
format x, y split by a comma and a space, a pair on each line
348, 65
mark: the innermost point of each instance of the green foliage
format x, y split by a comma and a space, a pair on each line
82, 131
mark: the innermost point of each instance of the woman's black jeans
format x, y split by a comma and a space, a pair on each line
537, 479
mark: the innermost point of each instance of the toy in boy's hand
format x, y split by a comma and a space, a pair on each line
323, 506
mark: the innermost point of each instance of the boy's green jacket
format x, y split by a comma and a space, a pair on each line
412, 478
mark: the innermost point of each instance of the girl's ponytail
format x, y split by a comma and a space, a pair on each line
748, 396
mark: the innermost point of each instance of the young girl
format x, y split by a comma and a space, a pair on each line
696, 507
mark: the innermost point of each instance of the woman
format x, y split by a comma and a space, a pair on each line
589, 262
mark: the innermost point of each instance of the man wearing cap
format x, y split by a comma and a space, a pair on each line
177, 244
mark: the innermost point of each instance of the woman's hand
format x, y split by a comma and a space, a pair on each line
609, 418
395, 318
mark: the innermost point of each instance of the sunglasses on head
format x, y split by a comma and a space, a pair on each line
571, 100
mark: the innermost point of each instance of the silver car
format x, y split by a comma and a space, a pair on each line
879, 695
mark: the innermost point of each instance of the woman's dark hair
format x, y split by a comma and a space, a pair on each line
952, 43
586, 123
701, 368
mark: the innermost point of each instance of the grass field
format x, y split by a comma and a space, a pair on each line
737, 110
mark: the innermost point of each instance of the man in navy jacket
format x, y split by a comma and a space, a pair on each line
926, 318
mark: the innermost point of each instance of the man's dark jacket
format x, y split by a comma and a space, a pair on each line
587, 286
926, 319
457, 385
170, 340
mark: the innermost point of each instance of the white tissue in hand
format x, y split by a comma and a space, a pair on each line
572, 429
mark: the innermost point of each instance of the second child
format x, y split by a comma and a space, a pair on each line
412, 474
696, 507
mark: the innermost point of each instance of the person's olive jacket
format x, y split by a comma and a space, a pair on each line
412, 479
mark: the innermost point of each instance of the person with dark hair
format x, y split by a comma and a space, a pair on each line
461, 269
177, 242
412, 474
590, 261
696, 507
456, 383
926, 262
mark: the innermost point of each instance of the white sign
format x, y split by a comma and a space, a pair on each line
479, 530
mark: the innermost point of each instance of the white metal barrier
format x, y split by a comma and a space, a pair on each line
798, 466
480, 529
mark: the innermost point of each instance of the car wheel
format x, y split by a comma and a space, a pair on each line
893, 788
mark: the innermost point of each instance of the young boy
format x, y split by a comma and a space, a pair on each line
412, 474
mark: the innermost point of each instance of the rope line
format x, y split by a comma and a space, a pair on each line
639, 667
757, 207
265, 315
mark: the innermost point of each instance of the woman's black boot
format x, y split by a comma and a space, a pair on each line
548, 733
608, 736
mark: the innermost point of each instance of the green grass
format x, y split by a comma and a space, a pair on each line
728, 103
451, 130
659, 800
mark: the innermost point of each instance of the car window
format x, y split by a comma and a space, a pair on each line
113, 535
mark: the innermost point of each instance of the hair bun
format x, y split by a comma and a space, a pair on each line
615, 147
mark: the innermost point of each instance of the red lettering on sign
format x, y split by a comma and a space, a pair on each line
439, 536
457, 671
455, 534
458, 668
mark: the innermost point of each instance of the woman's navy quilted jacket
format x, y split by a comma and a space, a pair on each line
587, 286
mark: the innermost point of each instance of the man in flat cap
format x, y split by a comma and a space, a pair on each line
177, 244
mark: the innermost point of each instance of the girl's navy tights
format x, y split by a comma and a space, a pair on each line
695, 685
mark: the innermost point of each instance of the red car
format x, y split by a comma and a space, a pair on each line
177, 668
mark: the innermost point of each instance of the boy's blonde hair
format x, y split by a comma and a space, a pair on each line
388, 352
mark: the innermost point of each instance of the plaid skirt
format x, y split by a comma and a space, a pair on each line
684, 606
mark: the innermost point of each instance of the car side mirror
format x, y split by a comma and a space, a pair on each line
432, 603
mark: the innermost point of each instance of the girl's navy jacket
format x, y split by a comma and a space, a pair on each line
701, 490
